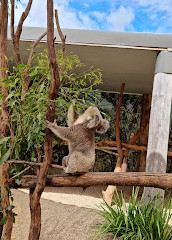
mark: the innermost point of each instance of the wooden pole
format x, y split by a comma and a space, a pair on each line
108, 194
158, 180
141, 156
117, 130
159, 120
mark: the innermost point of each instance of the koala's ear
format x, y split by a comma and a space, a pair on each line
103, 126
93, 122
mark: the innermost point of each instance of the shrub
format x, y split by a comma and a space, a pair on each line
137, 219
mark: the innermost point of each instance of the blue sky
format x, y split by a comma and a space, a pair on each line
127, 15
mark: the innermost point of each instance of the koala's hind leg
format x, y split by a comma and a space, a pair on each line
77, 163
71, 164
65, 161
70, 169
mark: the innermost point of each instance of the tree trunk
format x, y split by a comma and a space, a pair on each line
35, 210
7, 228
35, 195
1, 226
4, 122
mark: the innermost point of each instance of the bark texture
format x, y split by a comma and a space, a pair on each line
7, 228
35, 194
158, 180
15, 36
159, 125
4, 122
108, 194
141, 156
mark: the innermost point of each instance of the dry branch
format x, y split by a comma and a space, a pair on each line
20, 173
105, 143
63, 39
117, 130
16, 36
104, 150
12, 20
157, 180
33, 47
143, 140
34, 164
25, 74
137, 135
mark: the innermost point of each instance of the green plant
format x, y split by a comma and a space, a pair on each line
136, 220
27, 117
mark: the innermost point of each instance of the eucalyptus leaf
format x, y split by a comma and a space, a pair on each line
5, 157
5, 139
3, 221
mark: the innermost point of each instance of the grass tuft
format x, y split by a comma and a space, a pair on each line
136, 220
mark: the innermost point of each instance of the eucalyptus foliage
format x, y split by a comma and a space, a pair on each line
27, 116
136, 220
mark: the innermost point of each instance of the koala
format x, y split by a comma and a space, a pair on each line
80, 137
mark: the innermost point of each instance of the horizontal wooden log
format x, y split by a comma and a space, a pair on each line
157, 180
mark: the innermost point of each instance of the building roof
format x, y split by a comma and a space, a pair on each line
122, 56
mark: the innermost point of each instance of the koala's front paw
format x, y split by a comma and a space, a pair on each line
50, 124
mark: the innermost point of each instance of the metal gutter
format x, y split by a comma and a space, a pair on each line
102, 45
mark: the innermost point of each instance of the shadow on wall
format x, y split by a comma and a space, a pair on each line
156, 163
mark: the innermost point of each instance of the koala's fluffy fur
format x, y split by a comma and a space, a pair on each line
80, 137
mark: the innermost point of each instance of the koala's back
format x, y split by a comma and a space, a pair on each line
81, 150
82, 138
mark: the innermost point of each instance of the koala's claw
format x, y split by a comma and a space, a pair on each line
48, 123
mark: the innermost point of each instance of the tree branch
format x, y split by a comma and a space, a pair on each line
104, 150
12, 20
33, 47
20, 173
22, 19
63, 39
117, 129
33, 163
16, 36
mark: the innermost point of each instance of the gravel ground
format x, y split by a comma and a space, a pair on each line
63, 214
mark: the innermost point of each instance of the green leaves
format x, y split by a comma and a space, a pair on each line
3, 221
4, 149
136, 220
4, 140
28, 117
4, 157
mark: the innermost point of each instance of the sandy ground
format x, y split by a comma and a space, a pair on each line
66, 213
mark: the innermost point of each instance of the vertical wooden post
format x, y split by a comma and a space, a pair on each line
143, 141
159, 120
